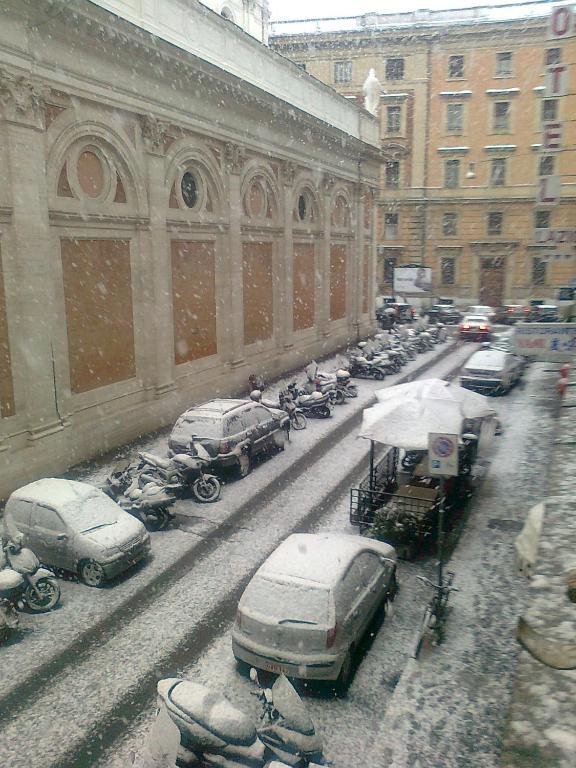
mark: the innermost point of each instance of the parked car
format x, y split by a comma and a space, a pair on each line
75, 527
492, 371
481, 309
475, 328
504, 342
443, 313
232, 432
307, 607
510, 314
544, 313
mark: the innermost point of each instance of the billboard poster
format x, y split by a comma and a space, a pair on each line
547, 342
412, 279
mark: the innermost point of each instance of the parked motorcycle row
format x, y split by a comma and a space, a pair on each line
148, 486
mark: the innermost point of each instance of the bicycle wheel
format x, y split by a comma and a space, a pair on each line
422, 632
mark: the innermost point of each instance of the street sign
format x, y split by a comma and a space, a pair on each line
442, 454
548, 342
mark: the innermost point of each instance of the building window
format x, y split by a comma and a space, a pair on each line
451, 173
189, 189
390, 226
498, 172
448, 270
549, 110
342, 72
546, 166
389, 267
495, 223
393, 119
394, 69
454, 118
504, 64
456, 66
553, 56
538, 271
502, 116
393, 173
541, 219
449, 224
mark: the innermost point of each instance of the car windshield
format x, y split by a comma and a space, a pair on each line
287, 602
92, 512
203, 426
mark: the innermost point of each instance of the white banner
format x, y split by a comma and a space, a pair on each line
412, 280
552, 342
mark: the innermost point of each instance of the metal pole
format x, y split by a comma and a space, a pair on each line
371, 465
441, 530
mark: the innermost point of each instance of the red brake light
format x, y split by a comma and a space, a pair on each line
483, 327
465, 327
331, 636
224, 446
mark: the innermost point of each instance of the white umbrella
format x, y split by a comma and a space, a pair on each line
471, 404
406, 413
407, 423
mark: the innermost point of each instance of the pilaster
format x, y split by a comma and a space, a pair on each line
286, 280
323, 303
234, 157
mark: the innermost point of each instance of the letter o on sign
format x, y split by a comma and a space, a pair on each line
561, 21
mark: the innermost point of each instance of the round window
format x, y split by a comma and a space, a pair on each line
301, 207
189, 189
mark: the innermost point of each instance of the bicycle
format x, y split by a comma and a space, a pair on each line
436, 611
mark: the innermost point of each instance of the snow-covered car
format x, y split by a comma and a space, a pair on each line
492, 371
309, 604
75, 527
231, 431
482, 309
475, 328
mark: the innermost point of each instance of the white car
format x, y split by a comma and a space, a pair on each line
492, 371
482, 309
310, 603
76, 527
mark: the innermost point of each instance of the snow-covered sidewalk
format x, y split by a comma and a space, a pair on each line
541, 732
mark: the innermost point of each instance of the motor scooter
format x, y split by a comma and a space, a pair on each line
23, 582
315, 404
285, 403
197, 726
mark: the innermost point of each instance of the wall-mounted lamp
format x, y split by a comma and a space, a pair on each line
471, 172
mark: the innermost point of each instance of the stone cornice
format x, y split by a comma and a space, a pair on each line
98, 220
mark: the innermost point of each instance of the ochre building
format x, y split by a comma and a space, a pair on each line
461, 110
180, 206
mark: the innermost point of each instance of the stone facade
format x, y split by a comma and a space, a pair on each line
461, 110
166, 228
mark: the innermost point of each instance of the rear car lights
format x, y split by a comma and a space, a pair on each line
331, 636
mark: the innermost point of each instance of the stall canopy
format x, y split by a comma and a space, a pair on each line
407, 413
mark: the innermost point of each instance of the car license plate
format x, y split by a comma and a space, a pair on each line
277, 668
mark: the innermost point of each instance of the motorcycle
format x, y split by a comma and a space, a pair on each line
24, 583
362, 368
183, 471
313, 404
285, 403
196, 726
149, 502
326, 383
344, 384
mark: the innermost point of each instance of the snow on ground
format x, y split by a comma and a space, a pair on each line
447, 710
144, 643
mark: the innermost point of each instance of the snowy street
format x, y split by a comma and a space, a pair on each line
98, 661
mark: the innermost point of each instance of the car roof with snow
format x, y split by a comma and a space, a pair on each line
217, 407
55, 491
319, 557
487, 358
475, 318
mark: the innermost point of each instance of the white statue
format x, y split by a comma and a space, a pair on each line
371, 90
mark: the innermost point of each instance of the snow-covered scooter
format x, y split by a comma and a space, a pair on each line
197, 727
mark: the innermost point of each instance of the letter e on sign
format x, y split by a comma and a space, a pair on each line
561, 23
552, 136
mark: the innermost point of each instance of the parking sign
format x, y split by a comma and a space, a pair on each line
443, 454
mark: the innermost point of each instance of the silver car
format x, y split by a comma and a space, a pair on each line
492, 371
308, 606
75, 527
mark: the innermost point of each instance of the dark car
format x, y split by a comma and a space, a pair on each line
233, 432
510, 314
443, 313
544, 313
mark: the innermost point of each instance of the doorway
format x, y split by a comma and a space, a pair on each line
492, 281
